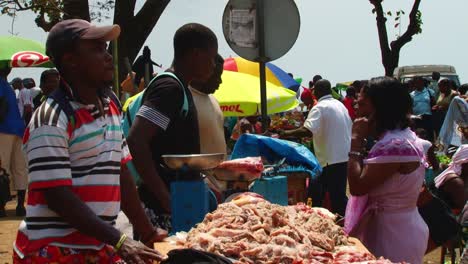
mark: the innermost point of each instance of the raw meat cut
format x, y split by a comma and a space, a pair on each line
253, 165
348, 255
251, 230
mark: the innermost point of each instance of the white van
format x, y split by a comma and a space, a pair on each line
405, 73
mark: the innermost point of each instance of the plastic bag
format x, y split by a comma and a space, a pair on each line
354, 210
274, 149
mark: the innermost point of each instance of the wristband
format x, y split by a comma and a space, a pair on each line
119, 244
363, 141
355, 154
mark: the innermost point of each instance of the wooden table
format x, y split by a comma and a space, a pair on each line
165, 247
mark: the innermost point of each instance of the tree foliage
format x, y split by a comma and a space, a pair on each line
136, 25
390, 51
50, 12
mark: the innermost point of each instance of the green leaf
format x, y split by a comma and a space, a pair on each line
398, 13
389, 13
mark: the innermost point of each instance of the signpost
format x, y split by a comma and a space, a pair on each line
262, 59
261, 31
115, 55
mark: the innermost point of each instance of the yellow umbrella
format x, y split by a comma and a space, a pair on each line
239, 95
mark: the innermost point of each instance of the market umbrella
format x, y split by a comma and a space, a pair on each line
17, 52
343, 85
298, 80
239, 95
274, 74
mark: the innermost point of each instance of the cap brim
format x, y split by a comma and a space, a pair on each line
105, 33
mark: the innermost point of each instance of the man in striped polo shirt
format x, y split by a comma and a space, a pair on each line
77, 174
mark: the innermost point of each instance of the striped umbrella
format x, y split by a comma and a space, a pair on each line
17, 52
274, 74
239, 95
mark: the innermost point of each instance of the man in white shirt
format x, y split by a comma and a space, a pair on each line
25, 103
210, 116
17, 85
330, 126
434, 84
30, 84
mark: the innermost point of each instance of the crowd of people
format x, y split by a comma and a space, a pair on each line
390, 150
64, 142
20, 98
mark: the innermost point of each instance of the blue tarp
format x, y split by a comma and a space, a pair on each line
273, 149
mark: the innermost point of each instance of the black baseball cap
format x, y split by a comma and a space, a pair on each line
27, 81
16, 80
64, 34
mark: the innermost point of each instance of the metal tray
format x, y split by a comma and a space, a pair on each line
201, 162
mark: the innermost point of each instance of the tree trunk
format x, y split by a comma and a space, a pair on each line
391, 63
76, 9
391, 51
135, 28
383, 36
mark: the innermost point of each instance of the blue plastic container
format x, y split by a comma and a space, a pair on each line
189, 204
273, 189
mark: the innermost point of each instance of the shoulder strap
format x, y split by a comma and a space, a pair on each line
128, 117
430, 95
60, 97
185, 106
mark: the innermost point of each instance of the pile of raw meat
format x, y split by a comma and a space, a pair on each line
252, 230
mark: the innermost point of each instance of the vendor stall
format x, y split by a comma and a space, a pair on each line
249, 229
253, 222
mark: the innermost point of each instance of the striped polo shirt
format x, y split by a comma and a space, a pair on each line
85, 155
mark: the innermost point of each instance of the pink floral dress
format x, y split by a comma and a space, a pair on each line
388, 221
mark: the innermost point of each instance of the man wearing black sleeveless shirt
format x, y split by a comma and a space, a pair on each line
160, 128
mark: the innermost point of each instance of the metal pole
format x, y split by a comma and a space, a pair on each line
132, 78
262, 60
147, 74
263, 96
115, 55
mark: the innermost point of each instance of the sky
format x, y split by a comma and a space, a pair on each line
338, 38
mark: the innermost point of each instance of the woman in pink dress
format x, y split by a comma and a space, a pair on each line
386, 183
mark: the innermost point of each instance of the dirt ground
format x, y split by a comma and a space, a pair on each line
9, 226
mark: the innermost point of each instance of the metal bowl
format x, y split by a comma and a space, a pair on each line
200, 162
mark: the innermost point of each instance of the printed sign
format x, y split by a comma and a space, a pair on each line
232, 108
242, 27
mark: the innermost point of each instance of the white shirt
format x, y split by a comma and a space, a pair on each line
330, 125
210, 123
17, 98
35, 91
24, 98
